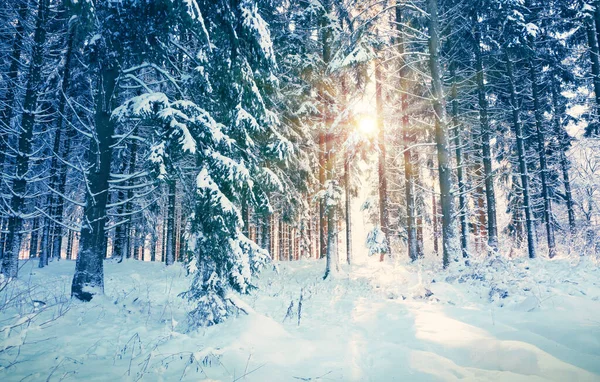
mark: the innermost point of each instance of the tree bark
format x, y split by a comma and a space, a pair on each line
7, 113
348, 207
57, 204
33, 242
10, 264
383, 196
490, 195
409, 181
594, 58
548, 216
170, 250
441, 138
89, 269
518, 127
462, 189
563, 142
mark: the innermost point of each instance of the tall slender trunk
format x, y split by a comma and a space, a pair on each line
57, 210
462, 188
326, 40
70, 245
170, 252
280, 255
518, 127
348, 207
563, 142
19, 185
7, 113
89, 269
128, 207
594, 58
153, 242
33, 242
596, 25
490, 196
245, 218
409, 182
419, 205
436, 228
45, 244
332, 255
266, 234
548, 216
441, 138
383, 196
322, 227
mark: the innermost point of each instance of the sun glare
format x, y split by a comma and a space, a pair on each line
367, 125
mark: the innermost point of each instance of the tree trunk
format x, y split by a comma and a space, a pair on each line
170, 251
436, 228
322, 228
70, 245
409, 182
548, 216
441, 138
516, 121
57, 210
563, 142
89, 269
10, 264
462, 189
383, 202
7, 113
594, 58
490, 195
33, 243
348, 207
45, 244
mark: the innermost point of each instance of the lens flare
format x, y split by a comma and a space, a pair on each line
367, 125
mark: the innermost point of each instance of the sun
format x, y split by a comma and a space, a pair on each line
367, 125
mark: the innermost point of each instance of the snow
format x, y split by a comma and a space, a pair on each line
259, 29
371, 322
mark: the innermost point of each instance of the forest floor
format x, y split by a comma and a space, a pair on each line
497, 320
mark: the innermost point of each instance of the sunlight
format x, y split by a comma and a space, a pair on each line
367, 125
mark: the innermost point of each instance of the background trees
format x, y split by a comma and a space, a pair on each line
222, 132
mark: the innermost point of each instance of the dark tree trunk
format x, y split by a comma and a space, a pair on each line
45, 244
322, 228
89, 270
436, 228
462, 188
490, 196
10, 264
548, 216
170, 252
518, 127
70, 245
383, 195
266, 234
348, 207
57, 205
441, 138
246, 218
33, 243
7, 113
563, 141
594, 58
409, 181
280, 255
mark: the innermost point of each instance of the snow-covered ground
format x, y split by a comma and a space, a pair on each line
495, 321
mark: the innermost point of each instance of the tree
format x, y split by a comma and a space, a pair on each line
441, 137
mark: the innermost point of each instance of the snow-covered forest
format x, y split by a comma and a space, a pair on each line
284, 190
